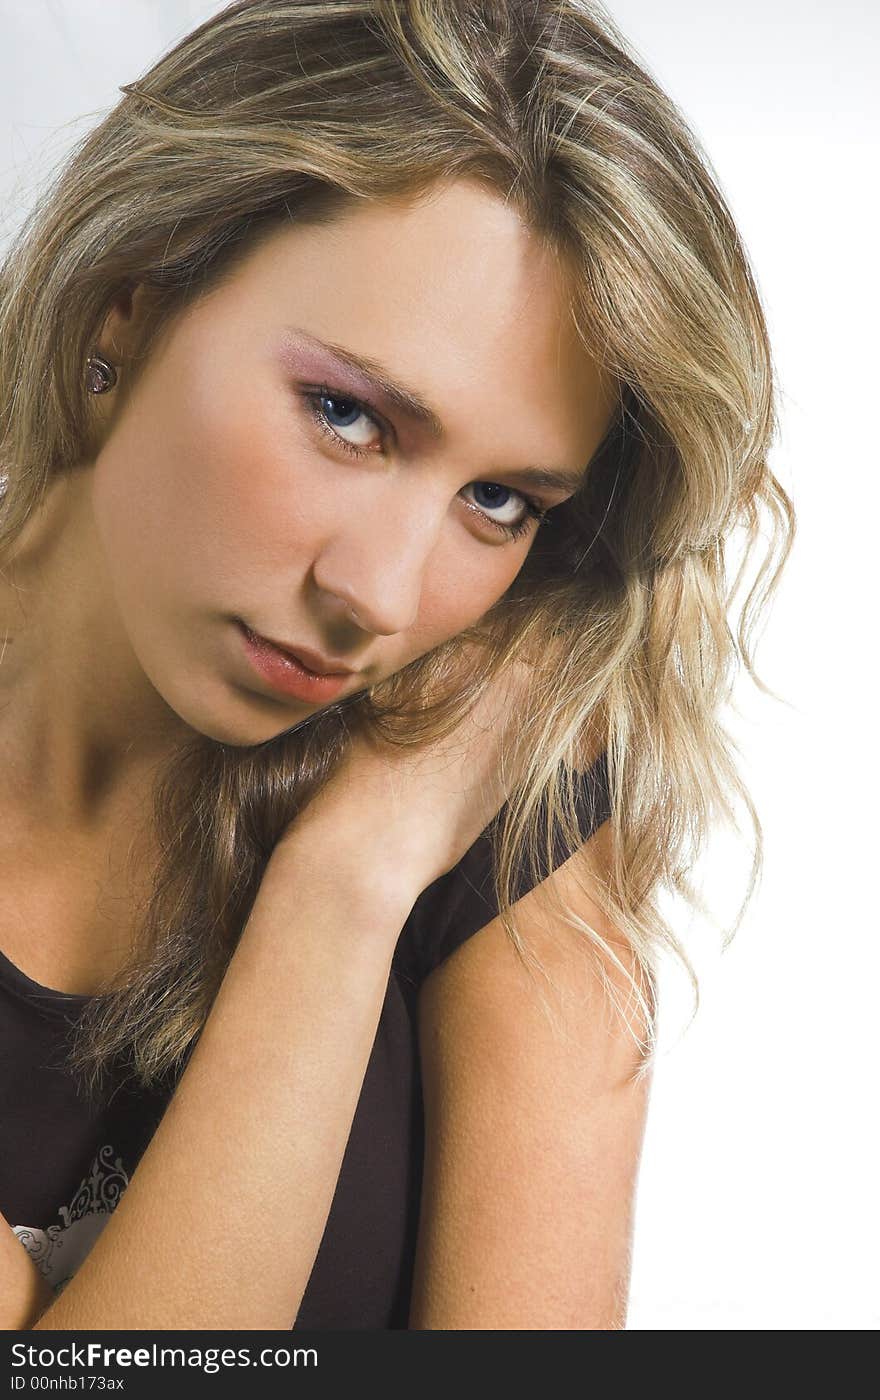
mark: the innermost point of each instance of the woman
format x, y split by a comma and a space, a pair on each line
382, 387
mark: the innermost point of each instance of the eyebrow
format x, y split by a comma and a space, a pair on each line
412, 405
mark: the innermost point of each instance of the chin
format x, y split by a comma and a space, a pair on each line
235, 717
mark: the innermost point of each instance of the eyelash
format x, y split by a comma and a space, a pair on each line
313, 397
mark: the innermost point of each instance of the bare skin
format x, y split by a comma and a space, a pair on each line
216, 496
347, 911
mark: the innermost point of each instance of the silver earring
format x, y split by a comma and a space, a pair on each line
100, 374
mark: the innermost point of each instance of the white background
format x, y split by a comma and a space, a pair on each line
758, 1192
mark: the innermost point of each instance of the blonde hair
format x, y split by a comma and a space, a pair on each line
274, 111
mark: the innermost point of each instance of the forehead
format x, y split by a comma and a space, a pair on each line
452, 292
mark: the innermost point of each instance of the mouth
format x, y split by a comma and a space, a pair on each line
311, 661
294, 671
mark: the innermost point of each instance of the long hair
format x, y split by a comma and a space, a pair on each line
274, 111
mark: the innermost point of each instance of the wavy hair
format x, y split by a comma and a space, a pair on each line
274, 111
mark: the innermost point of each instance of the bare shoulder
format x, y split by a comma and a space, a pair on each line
593, 740
534, 1123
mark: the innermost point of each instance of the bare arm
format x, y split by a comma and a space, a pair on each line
252, 1141
24, 1292
251, 1144
533, 1129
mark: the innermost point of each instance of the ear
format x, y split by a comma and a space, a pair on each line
122, 326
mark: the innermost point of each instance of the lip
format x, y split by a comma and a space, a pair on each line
311, 660
295, 672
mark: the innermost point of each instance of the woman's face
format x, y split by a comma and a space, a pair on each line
257, 476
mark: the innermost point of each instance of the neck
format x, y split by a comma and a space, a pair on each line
82, 730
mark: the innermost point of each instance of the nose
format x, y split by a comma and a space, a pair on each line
376, 571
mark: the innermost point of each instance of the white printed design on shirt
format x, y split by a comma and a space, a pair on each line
59, 1251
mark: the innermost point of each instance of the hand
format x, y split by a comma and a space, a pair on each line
413, 812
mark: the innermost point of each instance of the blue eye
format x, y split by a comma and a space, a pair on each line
349, 413
491, 496
336, 412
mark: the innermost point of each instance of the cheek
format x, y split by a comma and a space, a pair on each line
206, 491
464, 582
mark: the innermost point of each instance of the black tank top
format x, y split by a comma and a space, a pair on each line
64, 1167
